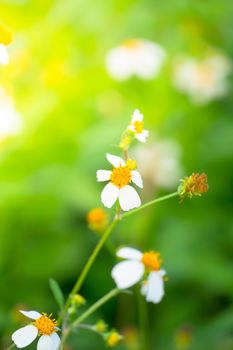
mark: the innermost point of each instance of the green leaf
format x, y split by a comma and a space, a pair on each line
57, 292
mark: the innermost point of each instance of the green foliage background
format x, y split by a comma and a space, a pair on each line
74, 112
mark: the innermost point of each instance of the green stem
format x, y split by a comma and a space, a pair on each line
160, 199
96, 306
88, 265
100, 244
11, 346
143, 322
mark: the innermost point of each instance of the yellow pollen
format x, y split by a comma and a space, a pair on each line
121, 176
45, 325
138, 126
152, 261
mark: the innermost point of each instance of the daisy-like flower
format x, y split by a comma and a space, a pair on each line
5, 39
43, 326
138, 57
203, 80
137, 126
128, 273
10, 120
119, 187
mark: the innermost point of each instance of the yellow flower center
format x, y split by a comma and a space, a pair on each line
205, 74
96, 215
121, 176
132, 44
152, 261
5, 35
138, 126
45, 325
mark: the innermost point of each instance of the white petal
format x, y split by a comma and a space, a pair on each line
45, 343
56, 340
155, 288
4, 58
103, 175
137, 116
115, 160
144, 288
33, 315
129, 253
109, 195
127, 273
136, 178
129, 198
140, 137
24, 336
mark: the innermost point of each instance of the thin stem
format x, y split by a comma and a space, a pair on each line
88, 265
96, 306
160, 199
11, 346
143, 322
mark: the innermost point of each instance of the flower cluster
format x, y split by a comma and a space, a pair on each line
136, 267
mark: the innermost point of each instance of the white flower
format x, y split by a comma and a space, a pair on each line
142, 58
10, 120
4, 57
136, 126
118, 187
131, 271
43, 326
203, 80
160, 163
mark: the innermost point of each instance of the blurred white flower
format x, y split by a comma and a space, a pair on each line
136, 126
142, 58
160, 164
10, 120
203, 80
128, 273
4, 57
43, 326
118, 187
5, 39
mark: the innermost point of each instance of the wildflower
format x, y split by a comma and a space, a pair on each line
136, 126
194, 185
160, 163
5, 39
97, 219
138, 57
203, 80
128, 273
118, 187
10, 120
43, 326
113, 338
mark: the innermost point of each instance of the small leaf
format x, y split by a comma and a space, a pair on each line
57, 293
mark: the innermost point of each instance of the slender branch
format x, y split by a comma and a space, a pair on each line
11, 346
88, 265
160, 199
96, 306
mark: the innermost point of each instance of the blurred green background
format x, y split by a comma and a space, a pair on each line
74, 113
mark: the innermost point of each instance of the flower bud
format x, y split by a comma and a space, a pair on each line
194, 185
